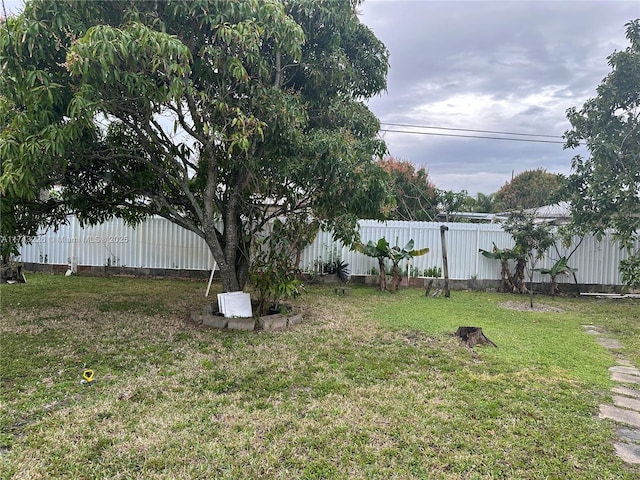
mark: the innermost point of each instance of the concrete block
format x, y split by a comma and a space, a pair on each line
241, 323
629, 435
629, 453
294, 319
629, 392
629, 370
610, 343
620, 415
273, 322
625, 378
215, 321
210, 308
626, 402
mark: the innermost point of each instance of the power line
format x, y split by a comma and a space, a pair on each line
469, 130
472, 136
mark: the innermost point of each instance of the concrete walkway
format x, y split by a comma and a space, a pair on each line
626, 399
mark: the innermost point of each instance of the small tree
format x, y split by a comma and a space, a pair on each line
382, 251
396, 255
378, 251
450, 203
483, 203
558, 268
568, 238
529, 189
415, 195
532, 242
274, 268
503, 255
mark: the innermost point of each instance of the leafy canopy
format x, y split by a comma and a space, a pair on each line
529, 189
382, 251
219, 116
415, 195
604, 188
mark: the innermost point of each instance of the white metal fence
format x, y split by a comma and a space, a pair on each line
154, 243
158, 243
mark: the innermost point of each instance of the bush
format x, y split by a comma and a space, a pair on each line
432, 272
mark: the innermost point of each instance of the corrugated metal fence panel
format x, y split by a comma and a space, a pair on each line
158, 243
597, 261
162, 244
462, 241
109, 243
154, 243
486, 239
320, 250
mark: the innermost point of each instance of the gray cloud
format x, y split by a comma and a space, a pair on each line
502, 65
508, 66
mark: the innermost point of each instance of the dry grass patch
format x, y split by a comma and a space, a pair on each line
526, 307
369, 386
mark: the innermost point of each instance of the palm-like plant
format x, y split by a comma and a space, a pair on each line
396, 255
559, 268
504, 255
379, 251
382, 251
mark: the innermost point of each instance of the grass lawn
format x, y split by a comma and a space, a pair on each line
370, 385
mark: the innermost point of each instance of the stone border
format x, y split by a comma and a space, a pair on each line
209, 318
626, 399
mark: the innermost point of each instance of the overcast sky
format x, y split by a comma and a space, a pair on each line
509, 66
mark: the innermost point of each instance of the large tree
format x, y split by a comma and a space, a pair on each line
483, 203
604, 187
415, 196
451, 203
529, 189
417, 199
216, 115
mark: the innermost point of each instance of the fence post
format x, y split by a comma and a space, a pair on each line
445, 265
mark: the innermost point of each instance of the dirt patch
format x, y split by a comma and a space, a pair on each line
525, 307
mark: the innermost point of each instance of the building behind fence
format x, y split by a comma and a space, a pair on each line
159, 244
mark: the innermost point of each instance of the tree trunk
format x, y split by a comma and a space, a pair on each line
383, 274
428, 289
575, 280
531, 289
229, 278
234, 270
242, 260
396, 278
506, 281
518, 277
554, 286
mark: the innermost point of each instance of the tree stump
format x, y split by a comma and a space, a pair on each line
473, 336
12, 273
428, 288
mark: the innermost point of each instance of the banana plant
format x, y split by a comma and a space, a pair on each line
397, 255
379, 251
504, 255
559, 268
382, 251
